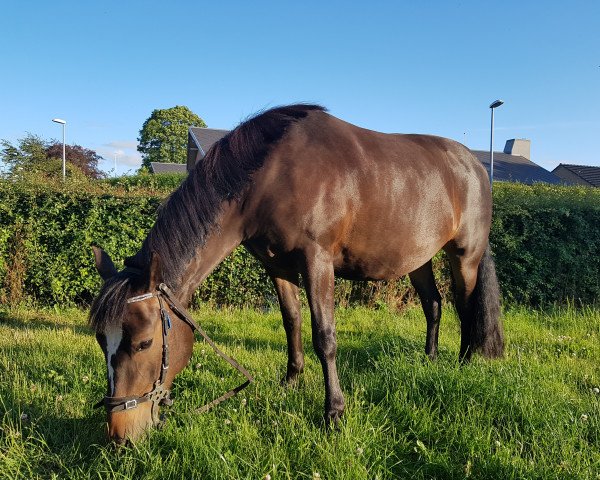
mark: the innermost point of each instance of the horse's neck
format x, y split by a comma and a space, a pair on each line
220, 243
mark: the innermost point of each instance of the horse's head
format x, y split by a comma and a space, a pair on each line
143, 347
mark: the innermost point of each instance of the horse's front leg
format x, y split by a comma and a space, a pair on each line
319, 279
289, 303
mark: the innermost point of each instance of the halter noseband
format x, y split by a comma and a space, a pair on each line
159, 395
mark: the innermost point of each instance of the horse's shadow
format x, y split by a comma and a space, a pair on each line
356, 355
11, 321
35, 419
357, 352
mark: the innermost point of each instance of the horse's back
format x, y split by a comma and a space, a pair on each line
381, 204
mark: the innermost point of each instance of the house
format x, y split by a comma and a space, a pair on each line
199, 142
578, 174
512, 165
161, 167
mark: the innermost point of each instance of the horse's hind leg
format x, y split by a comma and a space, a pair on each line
289, 303
319, 279
477, 298
463, 263
424, 283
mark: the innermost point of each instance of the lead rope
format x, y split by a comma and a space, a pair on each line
181, 312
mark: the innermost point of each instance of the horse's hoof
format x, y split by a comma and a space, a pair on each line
333, 419
431, 356
464, 357
290, 380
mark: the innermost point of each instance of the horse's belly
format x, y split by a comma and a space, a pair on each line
384, 262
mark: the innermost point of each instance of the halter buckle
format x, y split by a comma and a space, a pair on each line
130, 404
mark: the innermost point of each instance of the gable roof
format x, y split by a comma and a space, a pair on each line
515, 168
205, 137
161, 167
587, 173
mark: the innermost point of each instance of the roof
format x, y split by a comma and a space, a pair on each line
515, 168
160, 167
205, 137
587, 173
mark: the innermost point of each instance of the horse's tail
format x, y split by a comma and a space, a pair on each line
487, 335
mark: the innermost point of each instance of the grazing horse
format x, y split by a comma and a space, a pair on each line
307, 194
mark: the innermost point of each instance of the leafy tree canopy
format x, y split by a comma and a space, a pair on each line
163, 137
32, 155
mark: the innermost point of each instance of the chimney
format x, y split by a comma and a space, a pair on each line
518, 146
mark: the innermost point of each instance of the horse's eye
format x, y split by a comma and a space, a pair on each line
144, 345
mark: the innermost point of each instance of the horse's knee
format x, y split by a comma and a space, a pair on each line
435, 308
325, 344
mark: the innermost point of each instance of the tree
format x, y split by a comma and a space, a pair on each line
34, 155
83, 158
28, 151
163, 137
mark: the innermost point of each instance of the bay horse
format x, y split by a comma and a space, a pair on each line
313, 196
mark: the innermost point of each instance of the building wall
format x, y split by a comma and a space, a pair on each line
193, 153
569, 177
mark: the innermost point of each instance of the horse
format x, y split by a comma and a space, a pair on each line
310, 196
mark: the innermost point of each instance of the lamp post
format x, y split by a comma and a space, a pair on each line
63, 123
493, 106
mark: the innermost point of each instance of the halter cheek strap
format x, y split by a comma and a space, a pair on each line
160, 395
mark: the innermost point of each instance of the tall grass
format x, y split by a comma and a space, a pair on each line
535, 414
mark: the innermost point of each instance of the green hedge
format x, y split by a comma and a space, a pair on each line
165, 182
546, 241
45, 254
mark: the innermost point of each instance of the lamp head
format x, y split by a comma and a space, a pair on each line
497, 103
59, 120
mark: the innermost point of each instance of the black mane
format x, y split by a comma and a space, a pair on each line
190, 213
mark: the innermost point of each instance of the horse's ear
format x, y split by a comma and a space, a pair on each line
155, 277
105, 266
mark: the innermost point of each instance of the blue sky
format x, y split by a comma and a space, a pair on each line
424, 67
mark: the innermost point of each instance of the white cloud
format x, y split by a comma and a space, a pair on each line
127, 156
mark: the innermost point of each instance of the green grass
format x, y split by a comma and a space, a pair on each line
533, 415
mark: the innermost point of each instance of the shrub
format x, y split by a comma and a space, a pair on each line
164, 182
55, 227
546, 241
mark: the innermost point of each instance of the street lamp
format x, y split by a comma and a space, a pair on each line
493, 106
63, 123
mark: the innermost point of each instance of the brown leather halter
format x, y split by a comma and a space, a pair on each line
159, 395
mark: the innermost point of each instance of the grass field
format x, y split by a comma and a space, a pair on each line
535, 414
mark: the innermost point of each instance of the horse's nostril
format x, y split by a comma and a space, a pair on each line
161, 422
